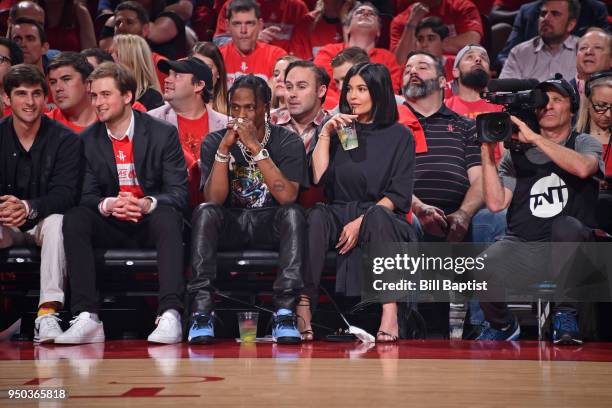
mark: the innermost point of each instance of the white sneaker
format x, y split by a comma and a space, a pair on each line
47, 328
83, 329
168, 330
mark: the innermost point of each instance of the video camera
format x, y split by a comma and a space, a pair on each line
520, 98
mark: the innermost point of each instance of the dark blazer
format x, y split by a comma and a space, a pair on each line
593, 13
57, 156
158, 159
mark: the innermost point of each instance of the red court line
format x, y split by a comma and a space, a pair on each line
405, 349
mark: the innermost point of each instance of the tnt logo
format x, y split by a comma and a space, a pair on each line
548, 196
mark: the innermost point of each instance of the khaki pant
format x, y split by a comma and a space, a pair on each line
47, 234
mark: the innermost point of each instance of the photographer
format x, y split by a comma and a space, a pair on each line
556, 159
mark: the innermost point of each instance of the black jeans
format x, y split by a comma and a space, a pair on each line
507, 269
85, 229
215, 228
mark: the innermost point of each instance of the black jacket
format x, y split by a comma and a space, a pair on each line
57, 162
158, 159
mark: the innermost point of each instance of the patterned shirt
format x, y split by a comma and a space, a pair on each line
282, 118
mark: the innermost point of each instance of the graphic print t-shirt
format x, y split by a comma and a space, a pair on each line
247, 186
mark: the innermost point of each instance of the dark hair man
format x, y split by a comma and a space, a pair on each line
252, 173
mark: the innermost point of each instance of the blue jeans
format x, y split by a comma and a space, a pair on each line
485, 226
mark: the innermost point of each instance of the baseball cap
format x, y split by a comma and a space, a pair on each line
190, 65
563, 87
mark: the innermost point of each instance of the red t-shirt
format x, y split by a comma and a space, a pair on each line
139, 106
449, 61
56, 114
259, 62
459, 15
378, 55
124, 159
191, 134
473, 109
284, 14
160, 75
307, 39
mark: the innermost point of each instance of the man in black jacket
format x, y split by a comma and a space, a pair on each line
134, 193
40, 163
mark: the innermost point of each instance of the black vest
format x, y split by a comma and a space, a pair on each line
544, 192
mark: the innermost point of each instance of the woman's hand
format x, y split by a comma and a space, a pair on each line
349, 236
339, 119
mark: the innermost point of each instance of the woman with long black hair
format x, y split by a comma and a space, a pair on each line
368, 188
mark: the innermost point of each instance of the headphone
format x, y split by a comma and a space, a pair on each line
594, 77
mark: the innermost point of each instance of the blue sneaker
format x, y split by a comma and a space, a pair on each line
284, 329
511, 333
565, 328
201, 329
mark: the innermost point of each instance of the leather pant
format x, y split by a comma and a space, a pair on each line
215, 228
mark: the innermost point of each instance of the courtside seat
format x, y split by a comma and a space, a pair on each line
240, 260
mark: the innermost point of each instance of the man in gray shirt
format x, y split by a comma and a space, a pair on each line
550, 195
552, 51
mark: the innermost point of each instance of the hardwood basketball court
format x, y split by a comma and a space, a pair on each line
431, 373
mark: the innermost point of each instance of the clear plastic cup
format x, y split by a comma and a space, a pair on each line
247, 325
348, 136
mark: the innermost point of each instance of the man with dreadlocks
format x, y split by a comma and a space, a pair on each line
252, 172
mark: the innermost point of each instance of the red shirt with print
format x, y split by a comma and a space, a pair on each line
284, 14
459, 16
378, 55
124, 159
191, 134
308, 37
259, 62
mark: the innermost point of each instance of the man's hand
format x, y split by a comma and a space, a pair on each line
230, 137
433, 220
126, 207
458, 224
247, 133
525, 134
12, 211
349, 236
270, 34
418, 12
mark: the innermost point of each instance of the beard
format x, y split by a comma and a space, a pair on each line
476, 79
422, 89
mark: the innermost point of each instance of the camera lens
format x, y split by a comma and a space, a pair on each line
496, 127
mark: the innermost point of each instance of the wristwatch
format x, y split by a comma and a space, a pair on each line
262, 155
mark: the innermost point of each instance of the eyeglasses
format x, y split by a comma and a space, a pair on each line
4, 59
601, 108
